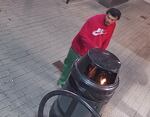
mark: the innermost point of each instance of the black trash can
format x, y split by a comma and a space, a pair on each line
94, 77
111, 3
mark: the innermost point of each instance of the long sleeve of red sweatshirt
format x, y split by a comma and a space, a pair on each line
93, 34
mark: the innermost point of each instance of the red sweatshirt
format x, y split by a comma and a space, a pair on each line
93, 34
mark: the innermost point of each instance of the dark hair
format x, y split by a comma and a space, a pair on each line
114, 12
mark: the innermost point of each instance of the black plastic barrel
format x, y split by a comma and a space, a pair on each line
111, 3
94, 77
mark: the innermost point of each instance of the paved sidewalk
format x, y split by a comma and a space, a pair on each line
36, 33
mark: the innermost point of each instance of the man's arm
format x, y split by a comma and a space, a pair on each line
84, 35
107, 39
86, 42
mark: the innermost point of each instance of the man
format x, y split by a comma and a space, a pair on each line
95, 33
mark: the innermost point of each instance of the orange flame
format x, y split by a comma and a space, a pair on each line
92, 72
103, 81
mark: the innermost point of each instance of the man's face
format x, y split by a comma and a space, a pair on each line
109, 19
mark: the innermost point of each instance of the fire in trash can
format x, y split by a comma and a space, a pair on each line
103, 81
102, 78
91, 72
98, 76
